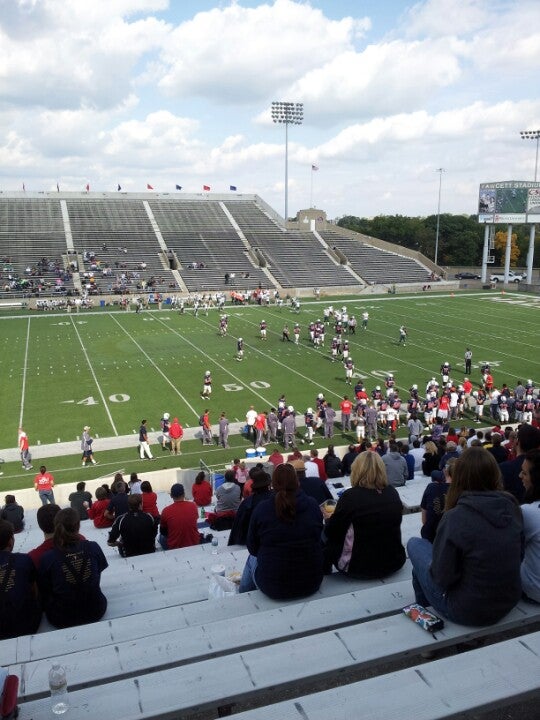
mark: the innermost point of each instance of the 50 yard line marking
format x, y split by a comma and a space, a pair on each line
25, 368
98, 386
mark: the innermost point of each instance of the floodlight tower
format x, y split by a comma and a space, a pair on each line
440, 171
287, 113
532, 135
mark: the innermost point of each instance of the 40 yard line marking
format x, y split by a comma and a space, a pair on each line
25, 368
98, 386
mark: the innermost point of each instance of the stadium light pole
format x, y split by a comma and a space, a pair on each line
440, 171
532, 135
287, 113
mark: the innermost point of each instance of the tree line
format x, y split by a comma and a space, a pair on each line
461, 237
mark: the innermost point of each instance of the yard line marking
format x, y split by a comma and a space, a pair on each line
25, 368
154, 365
216, 362
98, 386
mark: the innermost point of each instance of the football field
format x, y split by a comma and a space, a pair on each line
109, 368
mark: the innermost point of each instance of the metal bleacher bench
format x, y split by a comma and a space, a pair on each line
228, 654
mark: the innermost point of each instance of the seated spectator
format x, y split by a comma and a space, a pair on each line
364, 531
69, 575
332, 463
81, 500
284, 541
314, 458
247, 487
13, 513
499, 452
397, 472
135, 532
432, 502
149, 501
471, 573
134, 484
430, 461
450, 452
348, 459
228, 496
276, 458
241, 473
20, 610
201, 490
530, 567
97, 511
417, 453
178, 522
409, 459
528, 438
312, 485
260, 490
118, 504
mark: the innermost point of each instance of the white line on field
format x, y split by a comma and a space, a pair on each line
100, 391
155, 366
25, 368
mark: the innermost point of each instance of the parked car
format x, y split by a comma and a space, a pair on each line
513, 277
467, 276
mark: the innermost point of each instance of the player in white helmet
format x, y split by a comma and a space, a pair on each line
207, 385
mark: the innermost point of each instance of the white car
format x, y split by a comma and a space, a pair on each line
512, 277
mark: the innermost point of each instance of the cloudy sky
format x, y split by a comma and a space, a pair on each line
173, 92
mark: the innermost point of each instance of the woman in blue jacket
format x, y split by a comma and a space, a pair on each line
284, 541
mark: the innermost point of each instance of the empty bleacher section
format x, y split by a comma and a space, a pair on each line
118, 246
376, 265
206, 245
295, 259
33, 260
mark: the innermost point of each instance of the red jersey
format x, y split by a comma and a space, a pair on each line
96, 512
346, 407
44, 482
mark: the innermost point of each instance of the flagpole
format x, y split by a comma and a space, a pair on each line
311, 189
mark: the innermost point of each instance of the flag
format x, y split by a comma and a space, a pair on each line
149, 187
314, 168
178, 187
87, 187
206, 187
119, 187
57, 187
24, 187
232, 187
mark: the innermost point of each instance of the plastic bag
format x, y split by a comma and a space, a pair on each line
221, 587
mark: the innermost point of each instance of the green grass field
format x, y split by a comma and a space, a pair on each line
109, 369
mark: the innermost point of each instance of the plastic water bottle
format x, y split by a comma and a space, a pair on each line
59, 690
215, 543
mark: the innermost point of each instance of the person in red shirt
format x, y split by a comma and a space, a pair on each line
346, 407
201, 490
96, 511
276, 458
314, 453
24, 449
176, 433
44, 483
260, 427
178, 525
467, 390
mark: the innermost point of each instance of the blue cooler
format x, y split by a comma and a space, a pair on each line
251, 454
218, 480
260, 452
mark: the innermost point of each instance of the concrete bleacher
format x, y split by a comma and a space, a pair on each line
166, 650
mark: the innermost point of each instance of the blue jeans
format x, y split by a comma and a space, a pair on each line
46, 496
162, 539
247, 581
426, 590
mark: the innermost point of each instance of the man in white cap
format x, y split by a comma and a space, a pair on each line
86, 447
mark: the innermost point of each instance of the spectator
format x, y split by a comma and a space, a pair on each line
260, 490
69, 575
312, 485
432, 502
149, 501
471, 572
276, 458
528, 438
284, 542
332, 463
201, 490
431, 458
134, 484
178, 523
118, 504
135, 532
97, 510
314, 457
364, 532
13, 513
409, 459
417, 453
397, 471
530, 567
43, 484
348, 459
81, 500
21, 613
499, 452
228, 496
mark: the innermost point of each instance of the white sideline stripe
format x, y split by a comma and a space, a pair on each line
216, 362
25, 368
147, 356
100, 391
